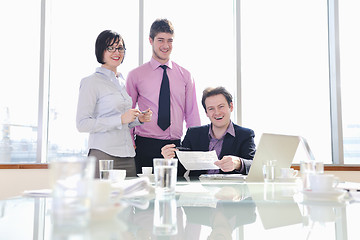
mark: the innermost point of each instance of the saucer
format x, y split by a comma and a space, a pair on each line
323, 196
293, 179
150, 176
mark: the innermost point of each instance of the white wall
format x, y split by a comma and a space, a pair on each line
347, 176
14, 181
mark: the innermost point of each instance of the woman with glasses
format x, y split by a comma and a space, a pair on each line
104, 107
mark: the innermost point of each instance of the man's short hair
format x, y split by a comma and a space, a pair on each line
160, 26
210, 91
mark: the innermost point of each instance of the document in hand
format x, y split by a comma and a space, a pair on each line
196, 160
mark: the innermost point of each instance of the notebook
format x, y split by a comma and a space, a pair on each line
271, 147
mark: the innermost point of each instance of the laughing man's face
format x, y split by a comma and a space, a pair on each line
218, 111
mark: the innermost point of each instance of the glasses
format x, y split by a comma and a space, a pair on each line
113, 49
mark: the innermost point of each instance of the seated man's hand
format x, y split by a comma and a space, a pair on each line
168, 151
229, 163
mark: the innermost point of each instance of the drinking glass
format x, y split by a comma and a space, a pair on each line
104, 167
71, 187
165, 171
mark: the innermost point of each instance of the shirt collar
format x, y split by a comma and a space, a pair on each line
110, 74
230, 130
107, 72
155, 64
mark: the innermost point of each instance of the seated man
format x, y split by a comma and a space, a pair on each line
233, 144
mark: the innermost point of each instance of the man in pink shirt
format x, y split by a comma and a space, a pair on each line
144, 85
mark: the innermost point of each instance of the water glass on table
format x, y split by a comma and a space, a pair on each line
269, 169
71, 184
308, 168
104, 167
165, 171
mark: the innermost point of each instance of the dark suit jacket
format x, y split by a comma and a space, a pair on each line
242, 145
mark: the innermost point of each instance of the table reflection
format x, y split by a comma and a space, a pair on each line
223, 211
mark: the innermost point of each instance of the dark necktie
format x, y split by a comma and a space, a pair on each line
164, 102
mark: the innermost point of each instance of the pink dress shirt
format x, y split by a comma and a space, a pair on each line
143, 86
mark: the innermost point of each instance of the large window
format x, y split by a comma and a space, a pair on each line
204, 40
285, 74
73, 58
349, 35
275, 53
19, 85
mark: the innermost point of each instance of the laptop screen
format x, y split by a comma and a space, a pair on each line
281, 148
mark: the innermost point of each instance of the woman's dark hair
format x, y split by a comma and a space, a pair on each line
160, 26
105, 39
208, 92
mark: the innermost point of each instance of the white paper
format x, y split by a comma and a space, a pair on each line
132, 188
351, 186
194, 160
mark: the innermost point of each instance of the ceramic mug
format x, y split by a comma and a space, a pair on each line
288, 173
322, 182
146, 170
117, 175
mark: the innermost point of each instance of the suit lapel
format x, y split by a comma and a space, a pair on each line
227, 146
204, 145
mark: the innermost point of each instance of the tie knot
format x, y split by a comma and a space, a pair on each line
163, 67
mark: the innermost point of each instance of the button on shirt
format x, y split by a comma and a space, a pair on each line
102, 101
143, 85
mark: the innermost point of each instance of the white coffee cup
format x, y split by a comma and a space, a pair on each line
101, 191
288, 173
146, 170
322, 182
117, 175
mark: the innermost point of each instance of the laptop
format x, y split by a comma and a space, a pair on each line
271, 147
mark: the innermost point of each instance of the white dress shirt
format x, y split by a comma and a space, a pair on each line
102, 101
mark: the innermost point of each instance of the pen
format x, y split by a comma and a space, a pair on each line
183, 148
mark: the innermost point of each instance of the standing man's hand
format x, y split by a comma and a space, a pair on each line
168, 151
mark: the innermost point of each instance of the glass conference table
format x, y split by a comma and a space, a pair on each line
212, 209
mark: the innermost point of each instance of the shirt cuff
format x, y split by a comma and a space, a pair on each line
241, 165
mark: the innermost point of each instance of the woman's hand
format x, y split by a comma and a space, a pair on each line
145, 116
129, 116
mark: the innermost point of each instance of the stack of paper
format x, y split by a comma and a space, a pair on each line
133, 187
